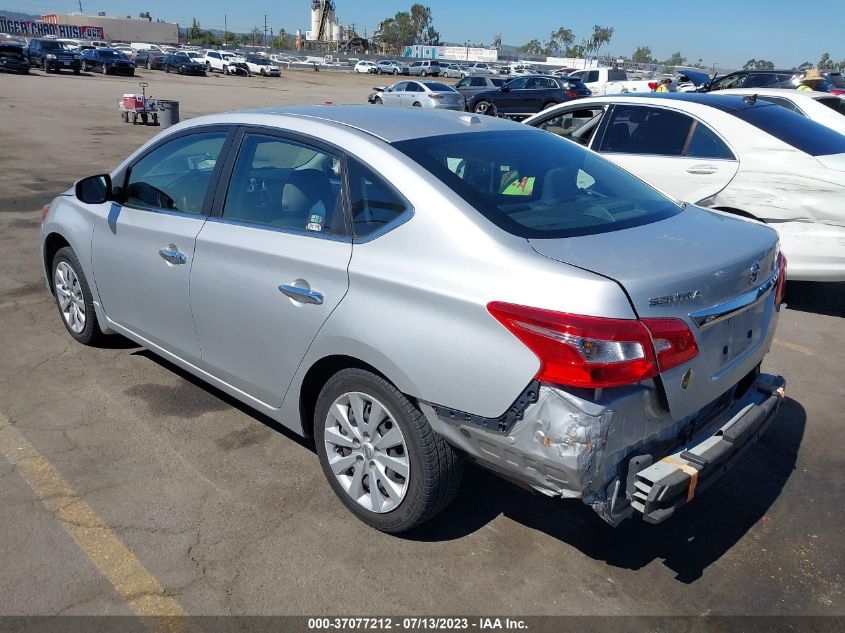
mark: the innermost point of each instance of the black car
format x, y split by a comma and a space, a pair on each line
13, 58
749, 79
108, 61
151, 60
181, 63
524, 96
52, 56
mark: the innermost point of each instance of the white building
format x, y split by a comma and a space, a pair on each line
117, 29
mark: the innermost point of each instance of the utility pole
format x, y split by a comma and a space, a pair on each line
225, 29
265, 31
80, 6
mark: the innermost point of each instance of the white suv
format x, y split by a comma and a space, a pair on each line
214, 60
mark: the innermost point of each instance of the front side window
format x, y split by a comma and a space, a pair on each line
592, 77
537, 185
374, 203
175, 176
517, 84
570, 121
284, 184
466, 82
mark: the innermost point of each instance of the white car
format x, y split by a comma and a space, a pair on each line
821, 107
365, 67
741, 155
222, 61
262, 66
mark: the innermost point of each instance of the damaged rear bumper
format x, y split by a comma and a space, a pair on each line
622, 453
665, 486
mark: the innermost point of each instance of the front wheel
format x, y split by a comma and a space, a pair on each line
263, 73
73, 298
395, 71
379, 453
378, 101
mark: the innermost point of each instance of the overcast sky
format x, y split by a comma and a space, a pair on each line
723, 32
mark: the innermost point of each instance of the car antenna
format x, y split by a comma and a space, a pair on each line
750, 99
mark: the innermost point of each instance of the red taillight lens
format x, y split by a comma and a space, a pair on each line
45, 211
571, 94
673, 342
594, 352
433, 96
780, 290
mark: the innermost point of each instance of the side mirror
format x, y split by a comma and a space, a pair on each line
94, 189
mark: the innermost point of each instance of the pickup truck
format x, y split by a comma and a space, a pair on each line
609, 81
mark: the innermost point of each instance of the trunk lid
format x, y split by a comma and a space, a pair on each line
693, 264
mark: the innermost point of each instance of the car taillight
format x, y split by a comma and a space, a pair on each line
44, 212
595, 352
433, 96
571, 94
780, 289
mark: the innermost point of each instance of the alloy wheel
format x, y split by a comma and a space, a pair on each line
367, 452
69, 294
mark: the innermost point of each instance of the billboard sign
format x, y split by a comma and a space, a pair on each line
29, 28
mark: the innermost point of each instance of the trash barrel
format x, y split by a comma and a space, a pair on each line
168, 112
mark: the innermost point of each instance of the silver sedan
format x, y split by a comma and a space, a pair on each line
411, 289
421, 94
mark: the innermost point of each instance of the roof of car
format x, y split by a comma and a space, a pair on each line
777, 92
726, 103
396, 124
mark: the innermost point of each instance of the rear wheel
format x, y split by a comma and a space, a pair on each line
485, 107
149, 65
550, 104
417, 104
379, 453
105, 69
73, 298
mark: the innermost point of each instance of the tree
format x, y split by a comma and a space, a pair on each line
559, 40
534, 47
758, 64
195, 31
676, 59
643, 55
826, 63
497, 41
805, 66
601, 36
406, 28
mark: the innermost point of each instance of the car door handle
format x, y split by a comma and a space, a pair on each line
172, 255
302, 295
702, 170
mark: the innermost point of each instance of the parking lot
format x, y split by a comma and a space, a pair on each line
231, 514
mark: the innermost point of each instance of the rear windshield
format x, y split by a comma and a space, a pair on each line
438, 87
791, 128
537, 185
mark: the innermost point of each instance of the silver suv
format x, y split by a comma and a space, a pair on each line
425, 68
413, 287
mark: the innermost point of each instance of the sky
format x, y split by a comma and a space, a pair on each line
722, 32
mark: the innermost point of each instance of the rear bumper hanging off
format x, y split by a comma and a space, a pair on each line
666, 485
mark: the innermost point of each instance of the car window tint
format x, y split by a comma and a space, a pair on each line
536, 185
464, 83
438, 87
784, 103
645, 130
731, 81
793, 129
176, 175
760, 80
834, 103
617, 75
374, 203
284, 184
478, 82
704, 143
517, 84
498, 82
592, 77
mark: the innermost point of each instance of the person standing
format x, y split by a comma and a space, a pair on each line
812, 80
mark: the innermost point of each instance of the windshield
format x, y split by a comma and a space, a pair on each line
795, 130
52, 45
108, 53
537, 185
438, 87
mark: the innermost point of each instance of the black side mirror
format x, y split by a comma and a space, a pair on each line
94, 189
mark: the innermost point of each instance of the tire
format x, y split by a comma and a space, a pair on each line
378, 101
484, 107
124, 116
134, 118
131, 73
225, 69
85, 66
167, 69
75, 71
417, 105
263, 73
428, 468
378, 71
424, 73
395, 71
71, 289
144, 118
180, 70
149, 65
550, 104
207, 67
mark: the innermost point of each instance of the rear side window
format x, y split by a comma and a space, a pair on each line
537, 185
784, 103
617, 75
793, 129
374, 203
644, 130
175, 176
834, 103
704, 143
284, 184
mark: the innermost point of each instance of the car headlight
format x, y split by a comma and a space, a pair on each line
132, 64
50, 56
77, 56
